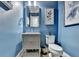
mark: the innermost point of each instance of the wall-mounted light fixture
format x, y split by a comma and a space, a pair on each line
30, 4
34, 3
17, 3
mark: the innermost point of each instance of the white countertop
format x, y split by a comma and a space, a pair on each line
27, 33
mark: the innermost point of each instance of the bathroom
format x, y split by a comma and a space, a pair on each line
20, 22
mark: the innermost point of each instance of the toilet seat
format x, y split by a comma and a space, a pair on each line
55, 47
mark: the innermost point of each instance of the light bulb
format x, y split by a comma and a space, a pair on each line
29, 3
17, 3
34, 3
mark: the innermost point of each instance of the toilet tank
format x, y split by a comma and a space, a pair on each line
50, 39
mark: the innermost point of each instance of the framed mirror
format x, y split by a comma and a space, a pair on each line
34, 21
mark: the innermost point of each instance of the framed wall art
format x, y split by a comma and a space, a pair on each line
49, 16
71, 13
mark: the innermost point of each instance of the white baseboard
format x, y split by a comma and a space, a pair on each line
20, 54
66, 55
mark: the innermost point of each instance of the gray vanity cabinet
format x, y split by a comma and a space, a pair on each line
31, 41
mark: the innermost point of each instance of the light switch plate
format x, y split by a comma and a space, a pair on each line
27, 22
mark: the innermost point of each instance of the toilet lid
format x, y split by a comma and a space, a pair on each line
55, 47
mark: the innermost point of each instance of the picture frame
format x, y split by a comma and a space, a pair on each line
71, 13
49, 16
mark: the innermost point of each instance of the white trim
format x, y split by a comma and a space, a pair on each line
20, 54
66, 55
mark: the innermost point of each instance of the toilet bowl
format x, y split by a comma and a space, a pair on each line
53, 48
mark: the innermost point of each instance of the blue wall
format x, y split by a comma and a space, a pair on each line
67, 36
43, 29
10, 31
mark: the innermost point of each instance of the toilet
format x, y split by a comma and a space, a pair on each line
54, 49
